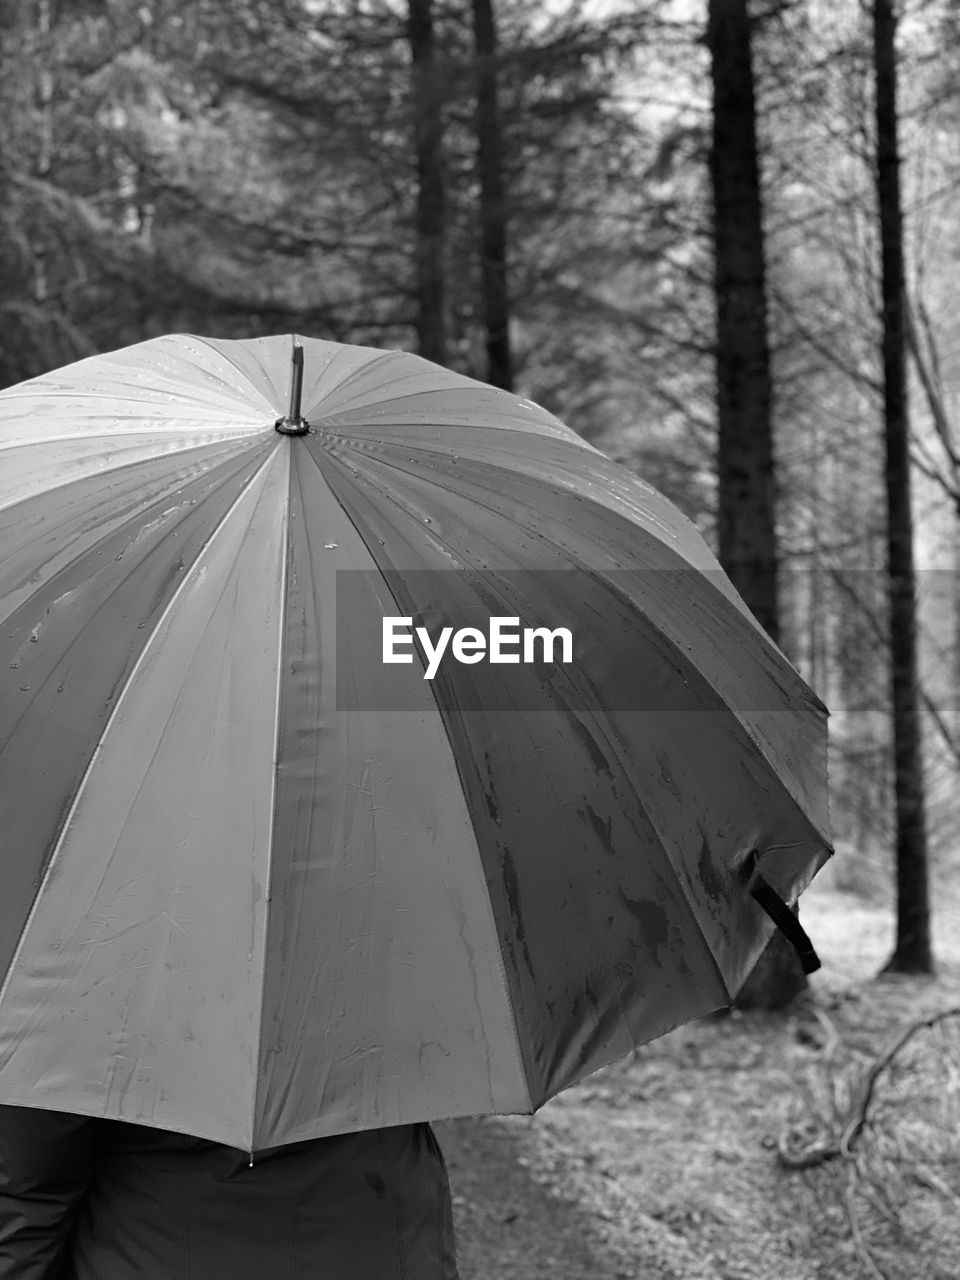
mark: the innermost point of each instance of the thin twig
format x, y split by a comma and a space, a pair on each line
946, 733
927, 369
859, 1244
857, 1122
833, 1035
836, 1139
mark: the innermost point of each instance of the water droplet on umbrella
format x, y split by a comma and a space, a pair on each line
427, 520
329, 546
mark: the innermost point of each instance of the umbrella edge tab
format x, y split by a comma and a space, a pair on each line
764, 894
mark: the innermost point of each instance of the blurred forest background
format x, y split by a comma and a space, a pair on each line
682, 227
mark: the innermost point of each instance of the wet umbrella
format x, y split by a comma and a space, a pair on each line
275, 866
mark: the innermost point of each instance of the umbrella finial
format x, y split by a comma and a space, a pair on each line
293, 424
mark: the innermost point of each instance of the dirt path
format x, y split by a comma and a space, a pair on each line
664, 1167
529, 1208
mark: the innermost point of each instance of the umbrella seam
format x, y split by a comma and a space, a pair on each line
59, 485
78, 479
281, 637
171, 486
389, 497
678, 879
500, 469
96, 753
561, 430
500, 966
380, 355
211, 346
675, 876
747, 738
465, 383
230, 424
123, 373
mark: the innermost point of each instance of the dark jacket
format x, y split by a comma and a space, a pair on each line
85, 1199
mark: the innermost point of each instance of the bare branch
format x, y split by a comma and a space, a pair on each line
926, 365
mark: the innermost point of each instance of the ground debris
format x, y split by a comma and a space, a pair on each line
666, 1166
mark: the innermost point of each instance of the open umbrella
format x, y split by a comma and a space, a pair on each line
277, 863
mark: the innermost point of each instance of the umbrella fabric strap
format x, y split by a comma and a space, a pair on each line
786, 921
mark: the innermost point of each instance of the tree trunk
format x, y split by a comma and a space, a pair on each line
912, 953
746, 499
493, 203
44, 158
431, 185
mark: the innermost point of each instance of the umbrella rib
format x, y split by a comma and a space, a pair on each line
225, 435
610, 744
746, 738
501, 965
539, 430
355, 372
691, 911
185, 582
214, 447
579, 450
660, 841
281, 633
466, 388
270, 408
754, 747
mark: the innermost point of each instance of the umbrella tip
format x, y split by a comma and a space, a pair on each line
293, 424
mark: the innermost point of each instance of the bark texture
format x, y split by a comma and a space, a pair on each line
746, 493
431, 213
912, 952
493, 201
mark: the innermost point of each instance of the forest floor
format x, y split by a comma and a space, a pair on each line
670, 1165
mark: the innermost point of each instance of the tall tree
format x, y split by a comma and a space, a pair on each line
493, 201
746, 514
431, 192
912, 952
746, 503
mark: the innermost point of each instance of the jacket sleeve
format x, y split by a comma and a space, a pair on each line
46, 1163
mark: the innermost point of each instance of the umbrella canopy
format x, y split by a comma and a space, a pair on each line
261, 884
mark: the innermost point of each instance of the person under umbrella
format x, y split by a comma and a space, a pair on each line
84, 1198
262, 889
